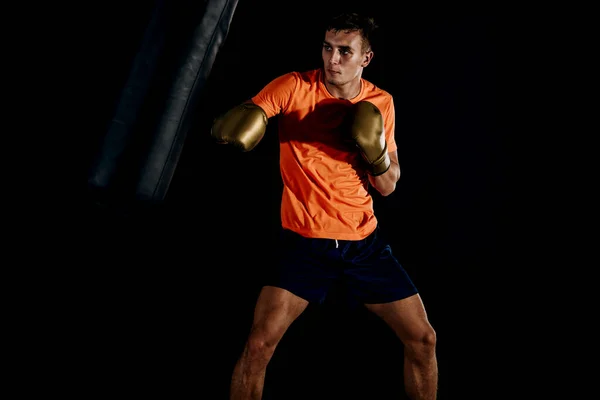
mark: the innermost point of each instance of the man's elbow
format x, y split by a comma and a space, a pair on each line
384, 187
387, 189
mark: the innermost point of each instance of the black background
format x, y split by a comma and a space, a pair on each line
174, 288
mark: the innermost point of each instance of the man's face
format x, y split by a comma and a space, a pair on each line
343, 58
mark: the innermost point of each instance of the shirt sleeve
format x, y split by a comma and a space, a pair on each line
275, 97
389, 124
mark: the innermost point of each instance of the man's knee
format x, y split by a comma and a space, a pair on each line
422, 343
259, 348
429, 338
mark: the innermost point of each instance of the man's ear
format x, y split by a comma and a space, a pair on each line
367, 57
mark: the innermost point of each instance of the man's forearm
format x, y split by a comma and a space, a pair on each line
385, 183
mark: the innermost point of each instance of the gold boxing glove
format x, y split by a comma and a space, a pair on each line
366, 128
242, 126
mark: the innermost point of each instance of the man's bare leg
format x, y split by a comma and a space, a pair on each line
275, 311
408, 319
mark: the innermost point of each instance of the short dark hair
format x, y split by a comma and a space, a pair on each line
351, 21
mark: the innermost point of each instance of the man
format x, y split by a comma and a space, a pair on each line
336, 135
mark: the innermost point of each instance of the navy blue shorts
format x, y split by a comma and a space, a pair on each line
368, 270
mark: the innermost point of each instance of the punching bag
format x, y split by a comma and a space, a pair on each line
159, 166
112, 158
144, 140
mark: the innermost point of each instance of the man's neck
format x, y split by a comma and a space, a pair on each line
347, 91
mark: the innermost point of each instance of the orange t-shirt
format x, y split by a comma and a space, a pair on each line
325, 184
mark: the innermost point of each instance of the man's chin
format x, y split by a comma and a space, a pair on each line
330, 78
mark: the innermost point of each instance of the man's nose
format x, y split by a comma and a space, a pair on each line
335, 58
